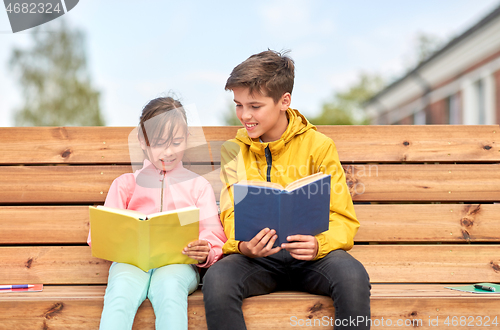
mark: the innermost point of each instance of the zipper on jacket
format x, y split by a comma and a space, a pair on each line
161, 190
269, 161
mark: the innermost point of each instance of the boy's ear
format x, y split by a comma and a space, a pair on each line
285, 101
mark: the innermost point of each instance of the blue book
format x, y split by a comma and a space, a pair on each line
301, 208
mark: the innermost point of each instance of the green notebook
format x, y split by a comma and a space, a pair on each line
471, 288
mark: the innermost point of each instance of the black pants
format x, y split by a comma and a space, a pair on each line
236, 277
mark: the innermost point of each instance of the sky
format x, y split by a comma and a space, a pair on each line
139, 50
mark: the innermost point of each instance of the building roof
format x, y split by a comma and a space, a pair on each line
478, 26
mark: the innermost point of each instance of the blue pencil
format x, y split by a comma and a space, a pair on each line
16, 286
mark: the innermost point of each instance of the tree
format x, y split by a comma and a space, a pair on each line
55, 82
229, 116
345, 108
424, 46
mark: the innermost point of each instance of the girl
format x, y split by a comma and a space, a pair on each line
162, 184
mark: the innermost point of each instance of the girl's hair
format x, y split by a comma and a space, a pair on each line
160, 115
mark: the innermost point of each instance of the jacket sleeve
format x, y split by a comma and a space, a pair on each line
119, 194
231, 165
210, 225
343, 222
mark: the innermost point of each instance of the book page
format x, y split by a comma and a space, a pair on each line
170, 234
181, 210
265, 184
304, 181
130, 213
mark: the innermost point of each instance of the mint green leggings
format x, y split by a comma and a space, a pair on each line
166, 287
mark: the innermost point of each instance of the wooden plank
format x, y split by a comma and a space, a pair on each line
52, 265
415, 143
80, 308
425, 183
406, 143
430, 263
43, 145
379, 223
68, 307
384, 263
85, 145
57, 184
428, 223
359, 144
89, 184
68, 184
44, 224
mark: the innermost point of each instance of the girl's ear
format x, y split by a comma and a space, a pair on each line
142, 142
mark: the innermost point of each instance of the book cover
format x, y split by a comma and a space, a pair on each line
145, 241
301, 208
472, 289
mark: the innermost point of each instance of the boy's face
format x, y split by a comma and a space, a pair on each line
260, 115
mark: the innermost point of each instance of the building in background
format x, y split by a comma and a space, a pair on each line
459, 84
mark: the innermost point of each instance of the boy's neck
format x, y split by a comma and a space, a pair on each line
277, 131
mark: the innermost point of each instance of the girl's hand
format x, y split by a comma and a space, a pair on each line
303, 247
198, 250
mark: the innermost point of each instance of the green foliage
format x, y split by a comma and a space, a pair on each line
229, 116
424, 46
345, 108
427, 45
56, 86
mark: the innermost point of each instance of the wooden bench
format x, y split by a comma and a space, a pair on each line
425, 197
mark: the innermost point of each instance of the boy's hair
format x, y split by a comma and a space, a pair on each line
268, 73
156, 115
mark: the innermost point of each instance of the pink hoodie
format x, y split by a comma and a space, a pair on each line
140, 191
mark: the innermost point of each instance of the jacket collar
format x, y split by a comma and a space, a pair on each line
147, 165
297, 124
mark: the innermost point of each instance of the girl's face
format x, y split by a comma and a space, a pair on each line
164, 156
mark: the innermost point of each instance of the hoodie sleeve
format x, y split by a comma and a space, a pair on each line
119, 194
210, 226
343, 222
231, 165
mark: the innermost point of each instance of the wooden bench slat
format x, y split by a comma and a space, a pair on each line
56, 145
52, 265
423, 183
89, 184
412, 143
80, 307
430, 263
57, 184
67, 184
384, 263
379, 223
109, 145
428, 223
44, 224
83, 145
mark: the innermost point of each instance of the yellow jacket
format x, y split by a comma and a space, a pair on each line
301, 151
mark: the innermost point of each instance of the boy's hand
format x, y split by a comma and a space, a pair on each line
198, 250
261, 245
304, 247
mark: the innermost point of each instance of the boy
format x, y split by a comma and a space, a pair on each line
278, 144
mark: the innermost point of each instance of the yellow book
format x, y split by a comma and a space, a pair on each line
145, 241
